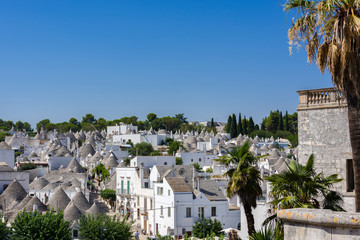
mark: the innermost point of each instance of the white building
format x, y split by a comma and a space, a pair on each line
121, 129
150, 161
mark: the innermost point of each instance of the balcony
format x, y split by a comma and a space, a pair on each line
321, 98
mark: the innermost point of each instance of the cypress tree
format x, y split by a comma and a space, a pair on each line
245, 125
251, 126
233, 129
228, 125
240, 129
212, 125
281, 122
286, 121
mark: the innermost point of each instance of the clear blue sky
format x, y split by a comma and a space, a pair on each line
62, 59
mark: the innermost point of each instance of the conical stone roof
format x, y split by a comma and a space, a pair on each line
80, 201
111, 162
71, 212
75, 166
86, 150
59, 200
38, 183
35, 201
14, 192
22, 204
4, 146
94, 210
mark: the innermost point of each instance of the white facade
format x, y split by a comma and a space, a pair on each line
122, 129
154, 140
8, 157
150, 161
6, 179
198, 157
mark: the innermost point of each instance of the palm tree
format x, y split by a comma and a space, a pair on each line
330, 31
244, 180
301, 187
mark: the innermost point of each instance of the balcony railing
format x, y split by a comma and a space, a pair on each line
318, 98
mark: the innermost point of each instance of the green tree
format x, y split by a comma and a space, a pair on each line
87, 127
104, 227
244, 125
233, 129
100, 170
173, 147
37, 226
239, 127
286, 125
4, 230
251, 126
244, 180
19, 126
74, 121
181, 117
88, 118
179, 161
228, 125
212, 125
197, 166
41, 124
281, 122
205, 227
100, 124
301, 187
329, 30
151, 117
142, 149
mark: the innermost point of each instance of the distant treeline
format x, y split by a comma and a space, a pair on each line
275, 125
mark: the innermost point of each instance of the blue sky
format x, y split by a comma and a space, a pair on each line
62, 59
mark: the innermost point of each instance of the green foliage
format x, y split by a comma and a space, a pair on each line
151, 117
156, 153
3, 135
27, 166
100, 124
104, 228
101, 170
4, 230
168, 140
42, 124
265, 233
88, 118
181, 117
209, 170
301, 187
87, 127
108, 194
239, 127
228, 125
197, 166
142, 149
244, 124
37, 226
174, 147
205, 227
127, 161
233, 128
179, 161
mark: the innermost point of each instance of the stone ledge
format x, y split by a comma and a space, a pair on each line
321, 217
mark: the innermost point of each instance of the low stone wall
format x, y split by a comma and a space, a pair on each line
313, 224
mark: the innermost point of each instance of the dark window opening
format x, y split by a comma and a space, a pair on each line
350, 183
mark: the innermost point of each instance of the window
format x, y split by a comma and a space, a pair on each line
128, 187
201, 212
350, 184
192, 160
213, 211
199, 159
169, 212
145, 204
160, 191
188, 212
165, 163
5, 186
146, 185
168, 192
161, 211
150, 204
138, 201
75, 233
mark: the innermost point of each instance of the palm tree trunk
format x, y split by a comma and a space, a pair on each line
249, 219
354, 128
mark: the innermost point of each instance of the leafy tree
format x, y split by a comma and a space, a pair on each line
272, 121
74, 121
181, 117
100, 170
156, 153
27, 166
87, 127
212, 125
244, 180
301, 187
233, 129
157, 124
205, 227
179, 161
88, 118
251, 126
281, 122
329, 31
19, 126
174, 147
244, 124
142, 149
127, 161
4, 230
100, 124
286, 127
41, 124
197, 166
3, 135
104, 228
228, 125
129, 120
37, 226
151, 117
170, 123
239, 127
